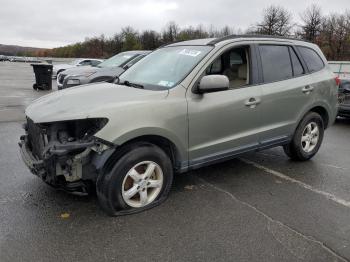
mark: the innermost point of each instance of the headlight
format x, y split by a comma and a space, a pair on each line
75, 130
73, 82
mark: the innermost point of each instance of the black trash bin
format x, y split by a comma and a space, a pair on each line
43, 76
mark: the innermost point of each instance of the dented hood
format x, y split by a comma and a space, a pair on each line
93, 100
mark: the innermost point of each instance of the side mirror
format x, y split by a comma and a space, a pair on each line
213, 83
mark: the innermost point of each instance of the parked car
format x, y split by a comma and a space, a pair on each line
18, 59
344, 99
107, 71
342, 70
3, 58
78, 62
184, 106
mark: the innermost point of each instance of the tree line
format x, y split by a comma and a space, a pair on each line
331, 32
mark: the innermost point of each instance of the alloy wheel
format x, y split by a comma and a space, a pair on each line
142, 184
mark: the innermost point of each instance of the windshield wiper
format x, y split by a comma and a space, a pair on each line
128, 83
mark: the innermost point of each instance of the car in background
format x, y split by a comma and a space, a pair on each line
344, 99
19, 59
78, 62
3, 58
342, 70
107, 71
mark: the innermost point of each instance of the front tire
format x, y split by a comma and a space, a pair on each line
307, 138
140, 179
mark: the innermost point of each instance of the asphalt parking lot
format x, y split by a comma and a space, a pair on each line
260, 207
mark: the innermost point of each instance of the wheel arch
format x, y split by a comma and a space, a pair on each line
322, 111
167, 145
164, 143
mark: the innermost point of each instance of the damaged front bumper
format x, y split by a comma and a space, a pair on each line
35, 166
72, 165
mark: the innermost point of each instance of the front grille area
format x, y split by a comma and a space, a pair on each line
35, 138
61, 78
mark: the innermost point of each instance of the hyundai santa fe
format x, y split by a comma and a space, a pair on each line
184, 106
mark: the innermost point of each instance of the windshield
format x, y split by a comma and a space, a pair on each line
118, 59
75, 62
165, 67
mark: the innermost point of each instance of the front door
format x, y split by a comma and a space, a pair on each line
224, 123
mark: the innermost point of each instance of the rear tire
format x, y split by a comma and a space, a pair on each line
307, 138
140, 179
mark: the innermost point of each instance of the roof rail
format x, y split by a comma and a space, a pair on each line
218, 40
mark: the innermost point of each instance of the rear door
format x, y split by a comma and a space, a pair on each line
286, 90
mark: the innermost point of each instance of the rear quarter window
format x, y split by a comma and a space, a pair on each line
311, 58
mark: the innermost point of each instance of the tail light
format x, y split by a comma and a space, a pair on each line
337, 81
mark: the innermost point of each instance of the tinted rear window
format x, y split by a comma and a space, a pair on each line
312, 59
275, 62
297, 67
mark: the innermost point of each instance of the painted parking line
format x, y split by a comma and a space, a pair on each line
322, 164
302, 184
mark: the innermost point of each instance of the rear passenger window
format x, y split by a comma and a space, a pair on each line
297, 67
275, 62
312, 59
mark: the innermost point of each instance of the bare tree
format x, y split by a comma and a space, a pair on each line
170, 33
226, 30
150, 39
130, 38
312, 23
276, 21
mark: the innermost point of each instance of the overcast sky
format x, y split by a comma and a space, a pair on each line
49, 23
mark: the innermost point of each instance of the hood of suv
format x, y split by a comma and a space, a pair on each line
93, 100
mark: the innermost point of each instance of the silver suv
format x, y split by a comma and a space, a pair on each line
184, 106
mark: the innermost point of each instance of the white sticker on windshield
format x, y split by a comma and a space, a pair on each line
126, 56
189, 52
165, 83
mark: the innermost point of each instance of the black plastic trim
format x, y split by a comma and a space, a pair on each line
232, 153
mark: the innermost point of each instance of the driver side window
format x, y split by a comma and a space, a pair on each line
234, 64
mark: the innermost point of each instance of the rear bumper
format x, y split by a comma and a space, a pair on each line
344, 110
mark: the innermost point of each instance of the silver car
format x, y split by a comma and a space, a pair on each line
59, 68
184, 106
104, 72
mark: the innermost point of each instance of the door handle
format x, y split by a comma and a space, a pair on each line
252, 102
307, 89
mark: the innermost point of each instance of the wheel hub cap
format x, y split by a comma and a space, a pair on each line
142, 184
310, 137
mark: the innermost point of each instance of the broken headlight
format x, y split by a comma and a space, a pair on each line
78, 130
